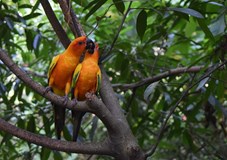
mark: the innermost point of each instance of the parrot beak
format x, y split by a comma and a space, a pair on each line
90, 46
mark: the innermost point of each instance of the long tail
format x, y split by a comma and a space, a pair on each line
77, 118
59, 119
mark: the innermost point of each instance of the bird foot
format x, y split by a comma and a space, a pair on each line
66, 99
47, 89
89, 95
75, 101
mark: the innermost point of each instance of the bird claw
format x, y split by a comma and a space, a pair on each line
89, 95
66, 99
75, 101
47, 89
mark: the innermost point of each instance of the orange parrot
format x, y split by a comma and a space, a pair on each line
86, 78
60, 75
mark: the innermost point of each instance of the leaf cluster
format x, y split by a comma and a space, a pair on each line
156, 36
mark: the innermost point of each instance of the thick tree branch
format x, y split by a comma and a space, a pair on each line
99, 108
123, 144
93, 104
210, 70
38, 88
158, 77
85, 148
108, 95
71, 18
121, 138
55, 23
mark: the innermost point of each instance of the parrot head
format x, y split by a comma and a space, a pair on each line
79, 44
82, 43
90, 46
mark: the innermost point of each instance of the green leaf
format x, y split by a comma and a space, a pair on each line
57, 155
83, 3
205, 28
36, 41
187, 139
218, 26
45, 153
35, 6
25, 6
119, 5
148, 93
188, 11
47, 125
29, 39
190, 27
31, 126
95, 8
141, 23
30, 16
5, 139
2, 88
21, 19
212, 100
92, 3
21, 123
213, 7
67, 135
9, 23
202, 83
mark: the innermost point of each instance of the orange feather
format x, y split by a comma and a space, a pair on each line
86, 78
60, 76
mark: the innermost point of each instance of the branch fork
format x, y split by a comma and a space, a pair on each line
120, 142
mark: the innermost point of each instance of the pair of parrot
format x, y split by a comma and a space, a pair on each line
67, 74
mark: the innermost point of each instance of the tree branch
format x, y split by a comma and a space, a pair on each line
55, 23
108, 95
120, 138
153, 79
92, 104
119, 30
210, 70
71, 18
36, 74
145, 81
101, 111
85, 148
80, 106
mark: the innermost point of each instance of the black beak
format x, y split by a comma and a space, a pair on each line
90, 46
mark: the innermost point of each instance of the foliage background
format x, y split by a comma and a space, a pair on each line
156, 36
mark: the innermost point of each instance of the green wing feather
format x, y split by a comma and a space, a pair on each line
76, 75
52, 65
98, 83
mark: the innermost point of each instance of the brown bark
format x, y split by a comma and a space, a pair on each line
120, 142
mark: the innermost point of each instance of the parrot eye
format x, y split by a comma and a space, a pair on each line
80, 43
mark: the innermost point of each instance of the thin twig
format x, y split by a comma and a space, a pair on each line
131, 100
172, 109
71, 18
36, 74
158, 77
119, 29
55, 23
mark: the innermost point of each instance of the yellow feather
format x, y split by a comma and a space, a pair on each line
52, 65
